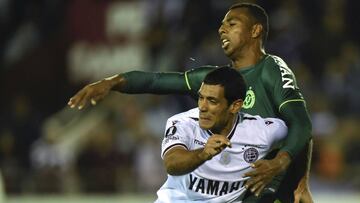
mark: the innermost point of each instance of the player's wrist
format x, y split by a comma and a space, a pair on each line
305, 179
114, 82
283, 160
204, 156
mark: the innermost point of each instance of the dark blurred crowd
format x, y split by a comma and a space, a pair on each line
51, 48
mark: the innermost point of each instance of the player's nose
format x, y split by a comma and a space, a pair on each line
202, 106
221, 30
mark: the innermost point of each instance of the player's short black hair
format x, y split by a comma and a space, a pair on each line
232, 81
258, 13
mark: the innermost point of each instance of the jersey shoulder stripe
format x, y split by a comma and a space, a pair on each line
187, 80
249, 118
174, 145
291, 100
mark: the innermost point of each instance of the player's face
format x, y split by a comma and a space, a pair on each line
214, 109
235, 32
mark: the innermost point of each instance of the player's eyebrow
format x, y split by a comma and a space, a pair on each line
232, 18
228, 20
208, 98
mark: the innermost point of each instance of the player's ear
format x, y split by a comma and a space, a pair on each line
236, 106
256, 30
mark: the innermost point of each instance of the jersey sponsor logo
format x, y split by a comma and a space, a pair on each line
249, 99
170, 137
198, 142
251, 155
286, 74
213, 187
170, 131
286, 77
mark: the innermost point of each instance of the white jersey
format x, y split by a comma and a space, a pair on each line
221, 178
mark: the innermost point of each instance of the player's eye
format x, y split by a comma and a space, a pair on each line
212, 101
232, 23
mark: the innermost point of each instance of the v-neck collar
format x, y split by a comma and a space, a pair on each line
239, 119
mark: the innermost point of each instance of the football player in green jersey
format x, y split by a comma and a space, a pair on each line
272, 91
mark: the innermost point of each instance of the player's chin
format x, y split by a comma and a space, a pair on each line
227, 51
205, 124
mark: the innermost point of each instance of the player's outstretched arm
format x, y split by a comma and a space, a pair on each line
133, 82
180, 161
138, 82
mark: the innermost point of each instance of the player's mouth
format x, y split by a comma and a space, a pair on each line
225, 43
205, 119
205, 122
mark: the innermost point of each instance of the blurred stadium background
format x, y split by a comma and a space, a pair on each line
111, 153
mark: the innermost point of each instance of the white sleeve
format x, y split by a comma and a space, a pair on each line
177, 133
277, 130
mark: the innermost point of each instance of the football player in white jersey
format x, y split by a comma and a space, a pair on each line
207, 150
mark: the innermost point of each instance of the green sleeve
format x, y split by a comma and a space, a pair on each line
299, 125
138, 82
280, 81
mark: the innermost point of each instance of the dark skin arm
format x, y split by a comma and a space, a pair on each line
138, 82
265, 170
302, 192
94, 92
133, 82
180, 161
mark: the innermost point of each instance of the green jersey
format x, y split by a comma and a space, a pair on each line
270, 85
272, 92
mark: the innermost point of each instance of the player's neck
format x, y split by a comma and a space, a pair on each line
250, 58
225, 130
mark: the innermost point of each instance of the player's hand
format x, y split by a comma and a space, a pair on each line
265, 170
302, 193
91, 93
215, 144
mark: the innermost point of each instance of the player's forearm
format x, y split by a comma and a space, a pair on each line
299, 127
182, 161
309, 158
135, 82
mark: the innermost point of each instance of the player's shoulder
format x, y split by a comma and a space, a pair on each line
210, 67
274, 64
273, 60
258, 121
275, 69
187, 117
